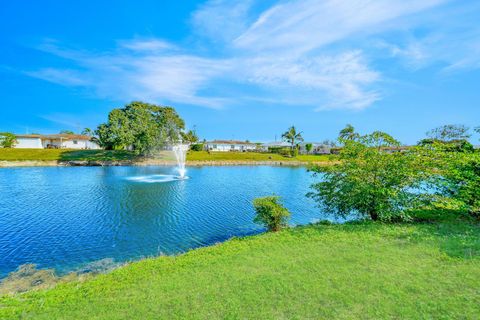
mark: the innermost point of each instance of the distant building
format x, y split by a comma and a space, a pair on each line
230, 145
55, 141
317, 148
269, 146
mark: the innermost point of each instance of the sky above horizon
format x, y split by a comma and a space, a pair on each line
245, 69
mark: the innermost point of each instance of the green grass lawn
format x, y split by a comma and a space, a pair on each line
252, 156
427, 270
64, 154
116, 155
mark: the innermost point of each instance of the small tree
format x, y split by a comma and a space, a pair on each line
66, 132
369, 181
190, 136
453, 138
197, 147
449, 132
87, 132
7, 140
271, 213
293, 137
309, 147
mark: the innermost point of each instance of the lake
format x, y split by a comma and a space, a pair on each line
68, 217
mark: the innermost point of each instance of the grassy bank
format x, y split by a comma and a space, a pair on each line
64, 155
121, 155
352, 271
251, 156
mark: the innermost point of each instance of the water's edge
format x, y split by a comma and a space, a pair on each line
27, 277
85, 163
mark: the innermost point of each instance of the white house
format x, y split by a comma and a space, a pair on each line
275, 145
317, 148
55, 141
230, 145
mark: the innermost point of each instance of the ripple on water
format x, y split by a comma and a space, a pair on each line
63, 218
156, 178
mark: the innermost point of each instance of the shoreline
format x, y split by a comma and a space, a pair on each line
194, 163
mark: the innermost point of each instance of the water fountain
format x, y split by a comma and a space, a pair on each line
180, 151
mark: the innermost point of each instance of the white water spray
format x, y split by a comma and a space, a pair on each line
180, 151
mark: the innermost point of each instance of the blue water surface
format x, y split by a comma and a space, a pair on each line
63, 217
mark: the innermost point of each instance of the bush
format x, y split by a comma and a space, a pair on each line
7, 140
286, 152
271, 213
196, 147
457, 180
295, 152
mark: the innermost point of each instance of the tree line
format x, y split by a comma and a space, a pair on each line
442, 170
376, 179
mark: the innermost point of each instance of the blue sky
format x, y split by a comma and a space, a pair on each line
243, 69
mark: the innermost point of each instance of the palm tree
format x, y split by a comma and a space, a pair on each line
87, 132
348, 133
292, 136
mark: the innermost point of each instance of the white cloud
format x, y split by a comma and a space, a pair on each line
148, 45
305, 48
140, 75
222, 20
59, 76
344, 77
300, 26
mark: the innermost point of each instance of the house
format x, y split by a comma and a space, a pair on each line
275, 145
317, 148
230, 145
55, 141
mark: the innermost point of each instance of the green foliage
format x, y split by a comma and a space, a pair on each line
457, 179
7, 140
295, 151
449, 132
292, 136
87, 132
271, 213
196, 147
450, 146
370, 182
141, 126
190, 136
66, 132
308, 147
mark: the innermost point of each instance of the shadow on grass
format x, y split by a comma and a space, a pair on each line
453, 232
98, 155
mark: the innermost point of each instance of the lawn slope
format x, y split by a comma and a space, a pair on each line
123, 155
352, 271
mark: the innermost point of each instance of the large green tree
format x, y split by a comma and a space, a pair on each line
369, 181
143, 127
